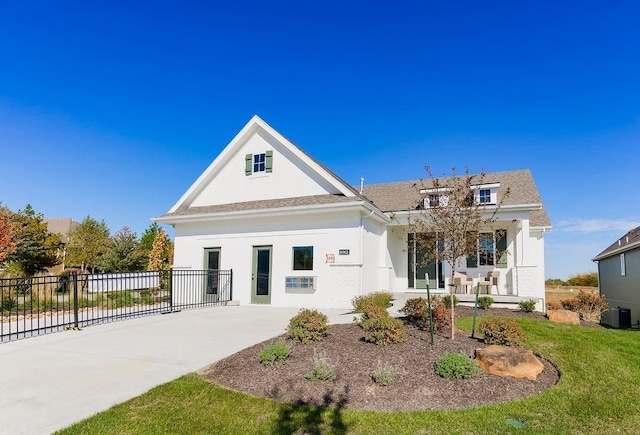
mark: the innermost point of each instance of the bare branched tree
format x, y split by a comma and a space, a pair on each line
449, 219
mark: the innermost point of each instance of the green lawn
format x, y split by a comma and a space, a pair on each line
598, 392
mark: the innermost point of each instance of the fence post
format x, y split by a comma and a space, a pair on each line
75, 299
170, 290
230, 284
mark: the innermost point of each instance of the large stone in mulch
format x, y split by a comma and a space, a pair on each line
564, 316
509, 361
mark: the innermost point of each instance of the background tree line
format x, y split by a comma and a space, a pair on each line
28, 248
580, 280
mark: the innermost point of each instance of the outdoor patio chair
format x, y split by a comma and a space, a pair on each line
489, 282
462, 281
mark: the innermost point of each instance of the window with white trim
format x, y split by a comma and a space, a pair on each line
303, 258
485, 196
259, 163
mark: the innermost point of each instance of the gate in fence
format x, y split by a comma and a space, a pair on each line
32, 306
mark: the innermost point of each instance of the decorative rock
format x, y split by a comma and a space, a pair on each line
509, 361
564, 316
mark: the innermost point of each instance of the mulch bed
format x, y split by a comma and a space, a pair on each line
416, 385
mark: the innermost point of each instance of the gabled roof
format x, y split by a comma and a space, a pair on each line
379, 198
629, 241
254, 124
405, 195
62, 226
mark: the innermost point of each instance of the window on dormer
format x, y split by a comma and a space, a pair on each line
485, 196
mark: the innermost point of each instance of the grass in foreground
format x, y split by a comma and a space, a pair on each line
598, 393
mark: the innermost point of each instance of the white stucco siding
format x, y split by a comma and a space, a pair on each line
373, 247
327, 234
290, 177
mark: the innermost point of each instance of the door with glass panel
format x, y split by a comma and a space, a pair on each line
261, 275
212, 279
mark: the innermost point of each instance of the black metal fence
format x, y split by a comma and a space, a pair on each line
44, 304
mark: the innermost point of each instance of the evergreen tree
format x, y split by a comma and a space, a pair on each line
35, 248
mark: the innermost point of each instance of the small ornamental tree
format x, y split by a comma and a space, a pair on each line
7, 230
449, 219
159, 255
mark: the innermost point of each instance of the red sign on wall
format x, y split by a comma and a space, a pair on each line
331, 258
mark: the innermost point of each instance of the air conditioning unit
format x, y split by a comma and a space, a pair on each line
620, 317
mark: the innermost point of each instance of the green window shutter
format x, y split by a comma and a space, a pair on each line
248, 163
472, 261
268, 166
501, 248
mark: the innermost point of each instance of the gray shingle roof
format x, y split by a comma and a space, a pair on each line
390, 197
625, 243
299, 201
405, 195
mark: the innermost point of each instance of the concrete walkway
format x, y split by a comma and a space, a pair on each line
52, 381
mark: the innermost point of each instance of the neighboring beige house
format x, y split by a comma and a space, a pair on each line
296, 234
62, 226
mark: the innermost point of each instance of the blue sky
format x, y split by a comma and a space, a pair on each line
112, 109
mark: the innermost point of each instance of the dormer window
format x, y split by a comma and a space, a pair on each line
258, 163
434, 200
486, 194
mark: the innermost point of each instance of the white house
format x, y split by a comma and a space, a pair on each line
296, 234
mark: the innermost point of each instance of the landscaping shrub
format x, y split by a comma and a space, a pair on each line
505, 332
8, 303
441, 317
417, 312
569, 304
322, 371
456, 365
446, 300
370, 311
485, 302
554, 306
380, 299
528, 306
591, 306
146, 298
308, 326
119, 299
383, 375
384, 330
277, 352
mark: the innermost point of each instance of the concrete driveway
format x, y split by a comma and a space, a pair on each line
52, 381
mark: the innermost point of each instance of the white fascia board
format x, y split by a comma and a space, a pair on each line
219, 162
620, 250
229, 151
172, 220
397, 217
485, 186
346, 191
